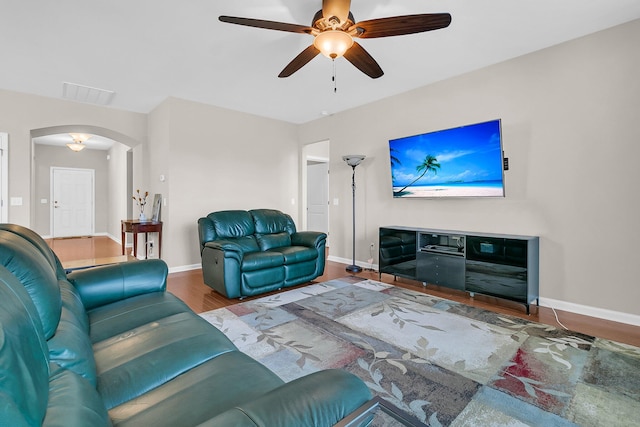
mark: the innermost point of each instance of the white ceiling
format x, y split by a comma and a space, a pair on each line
148, 50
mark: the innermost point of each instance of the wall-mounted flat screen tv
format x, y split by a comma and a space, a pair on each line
465, 161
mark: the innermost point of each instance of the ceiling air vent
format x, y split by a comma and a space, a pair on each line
91, 95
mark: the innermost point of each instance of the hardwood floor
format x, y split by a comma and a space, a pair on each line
190, 287
83, 251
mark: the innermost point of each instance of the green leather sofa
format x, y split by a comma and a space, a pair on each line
247, 253
109, 346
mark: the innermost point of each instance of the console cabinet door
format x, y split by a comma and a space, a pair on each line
500, 280
397, 254
441, 270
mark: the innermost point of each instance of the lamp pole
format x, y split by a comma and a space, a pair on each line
353, 161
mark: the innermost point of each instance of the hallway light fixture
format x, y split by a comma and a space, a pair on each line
78, 141
353, 160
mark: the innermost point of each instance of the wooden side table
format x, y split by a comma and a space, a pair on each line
136, 226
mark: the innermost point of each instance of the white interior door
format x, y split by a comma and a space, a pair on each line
318, 196
72, 200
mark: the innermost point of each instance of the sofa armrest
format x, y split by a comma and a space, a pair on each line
311, 239
230, 249
319, 399
110, 283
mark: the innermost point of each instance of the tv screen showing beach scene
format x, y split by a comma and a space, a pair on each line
465, 161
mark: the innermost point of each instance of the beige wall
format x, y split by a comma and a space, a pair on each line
569, 118
116, 189
570, 127
214, 159
20, 114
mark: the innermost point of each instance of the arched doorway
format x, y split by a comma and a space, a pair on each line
110, 160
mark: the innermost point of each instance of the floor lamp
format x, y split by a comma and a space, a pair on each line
353, 160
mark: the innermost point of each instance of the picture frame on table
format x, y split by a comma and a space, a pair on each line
157, 203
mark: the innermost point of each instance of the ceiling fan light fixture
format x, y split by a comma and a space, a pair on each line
333, 43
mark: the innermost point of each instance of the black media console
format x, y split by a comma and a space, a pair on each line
504, 266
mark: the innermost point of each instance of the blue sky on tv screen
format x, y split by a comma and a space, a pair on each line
466, 154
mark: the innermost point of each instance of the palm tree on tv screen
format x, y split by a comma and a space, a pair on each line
395, 161
429, 164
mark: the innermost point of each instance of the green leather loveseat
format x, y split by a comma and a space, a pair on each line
247, 253
108, 346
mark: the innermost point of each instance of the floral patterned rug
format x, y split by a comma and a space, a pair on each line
447, 363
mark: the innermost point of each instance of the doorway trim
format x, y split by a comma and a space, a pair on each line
316, 152
323, 184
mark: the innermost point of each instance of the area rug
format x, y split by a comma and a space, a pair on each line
447, 363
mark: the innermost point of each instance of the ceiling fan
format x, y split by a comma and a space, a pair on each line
334, 29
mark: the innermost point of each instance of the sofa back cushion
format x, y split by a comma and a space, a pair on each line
36, 240
232, 224
271, 241
24, 387
27, 263
71, 346
271, 221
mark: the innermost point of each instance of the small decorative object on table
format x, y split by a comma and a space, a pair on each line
141, 200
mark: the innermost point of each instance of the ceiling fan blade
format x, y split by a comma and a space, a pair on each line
400, 25
269, 25
299, 61
364, 62
337, 8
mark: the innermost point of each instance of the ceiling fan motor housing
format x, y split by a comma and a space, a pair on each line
322, 23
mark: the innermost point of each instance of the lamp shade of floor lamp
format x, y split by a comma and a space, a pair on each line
353, 160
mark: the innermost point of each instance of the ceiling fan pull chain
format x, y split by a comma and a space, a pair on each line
335, 86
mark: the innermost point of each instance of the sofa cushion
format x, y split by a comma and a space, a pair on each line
24, 374
232, 224
73, 402
146, 357
276, 240
296, 254
32, 269
119, 317
261, 260
269, 221
199, 394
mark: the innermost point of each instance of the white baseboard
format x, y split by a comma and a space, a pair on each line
114, 238
184, 268
585, 310
93, 235
363, 264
